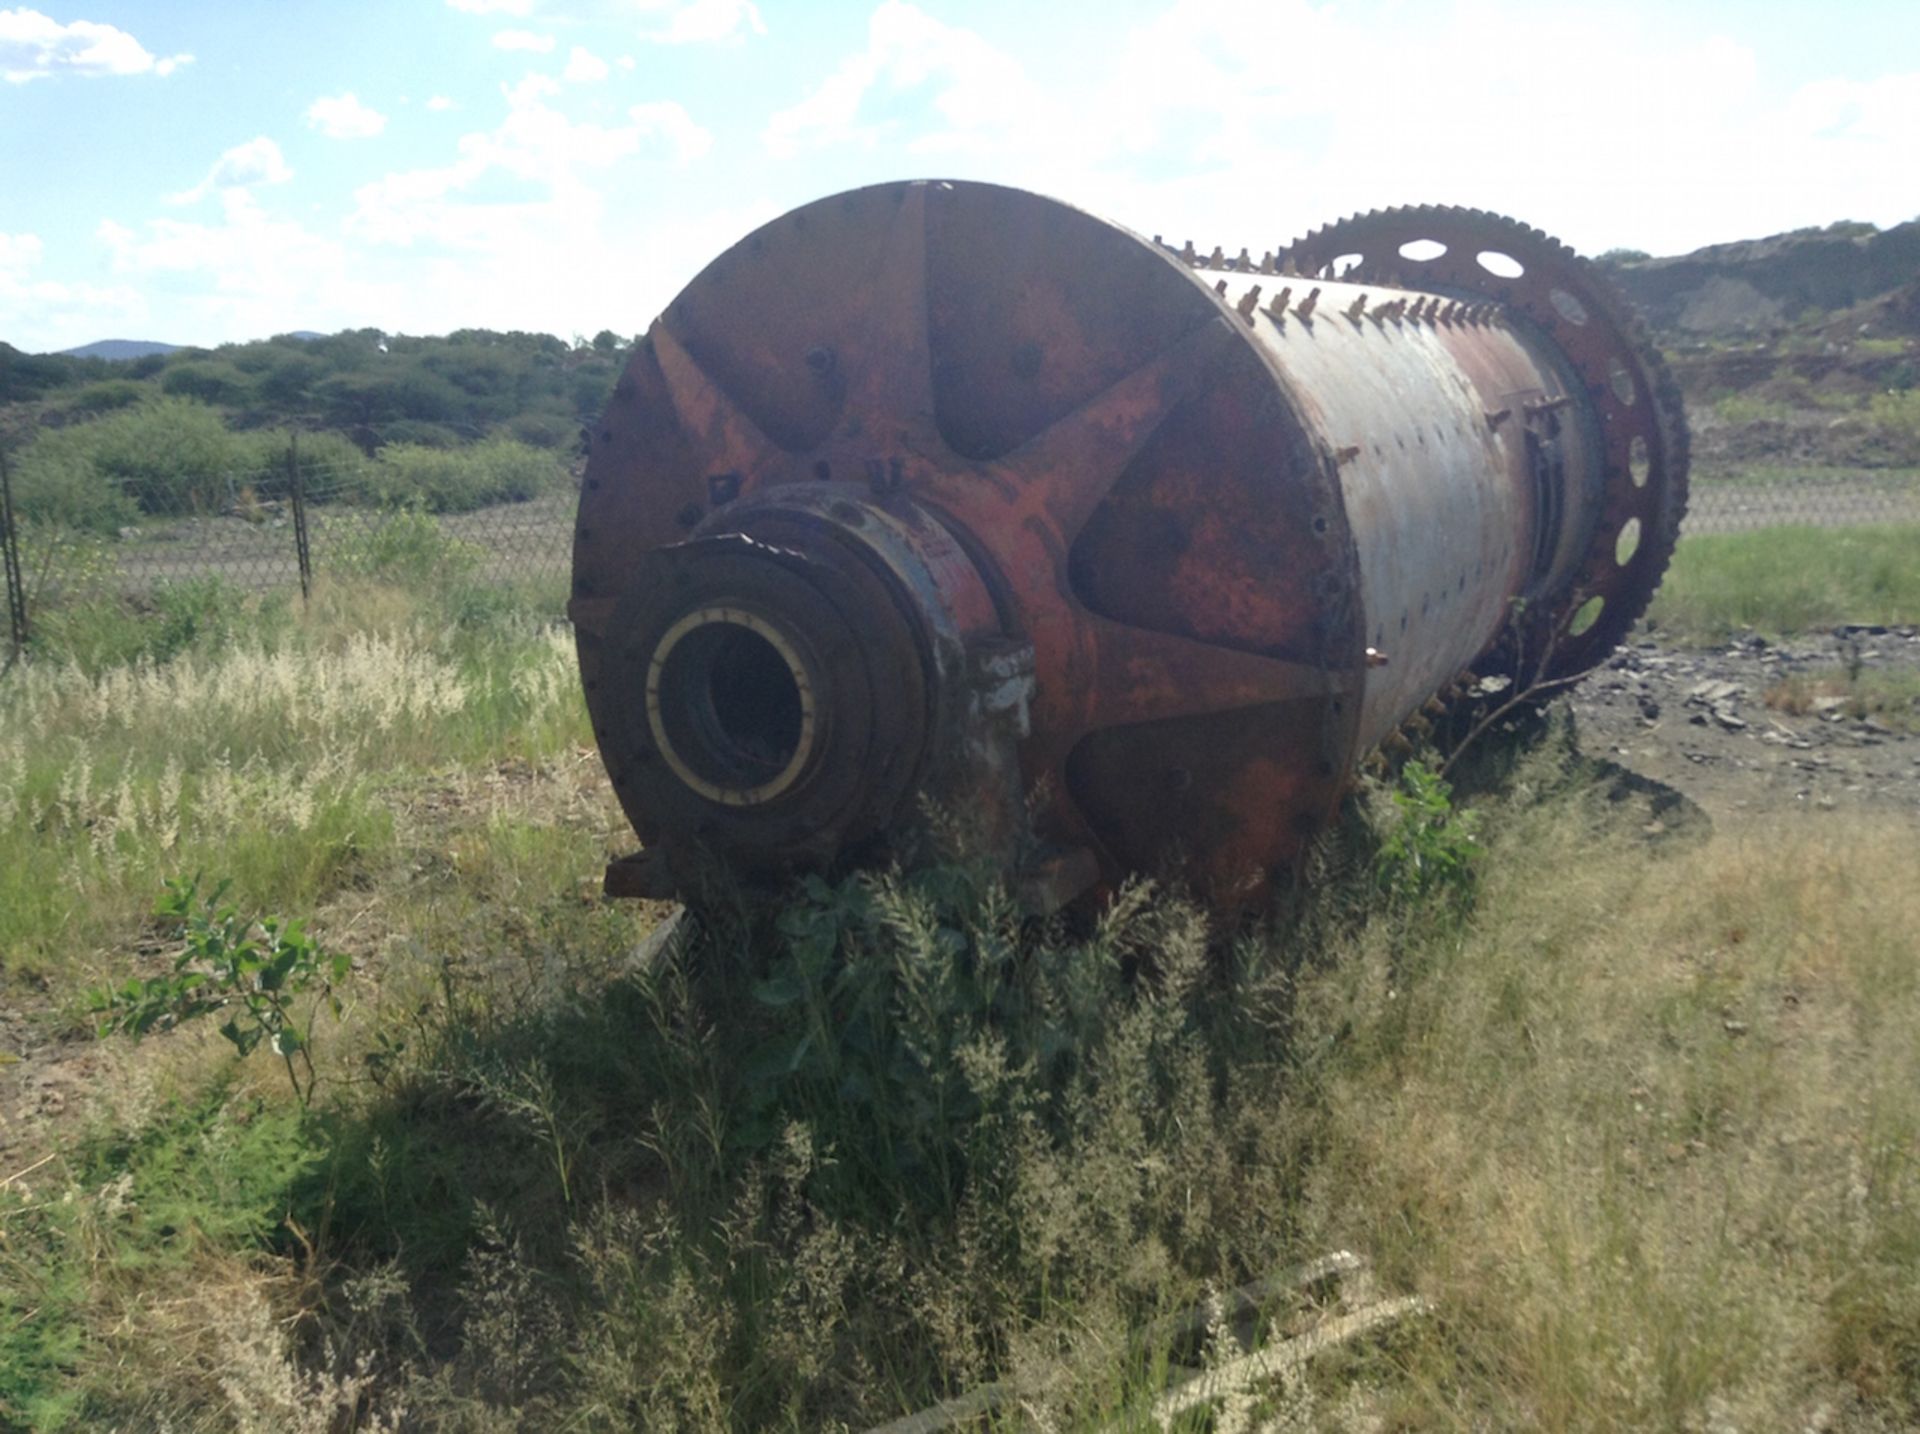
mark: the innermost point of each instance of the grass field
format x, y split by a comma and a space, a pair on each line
1637, 1115
1783, 580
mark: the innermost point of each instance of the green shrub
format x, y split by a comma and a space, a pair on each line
107, 395
1897, 415
456, 480
331, 464
1428, 849
417, 431
195, 611
168, 455
545, 430
209, 380
56, 483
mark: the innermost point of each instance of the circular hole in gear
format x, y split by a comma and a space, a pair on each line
1628, 543
1585, 616
1501, 266
1620, 380
1637, 464
731, 706
1422, 251
1345, 265
1568, 307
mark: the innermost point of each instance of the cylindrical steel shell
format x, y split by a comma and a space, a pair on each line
1241, 523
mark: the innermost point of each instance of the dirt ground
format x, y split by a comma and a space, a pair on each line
1699, 721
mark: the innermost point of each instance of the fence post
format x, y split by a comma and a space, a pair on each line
10, 542
298, 486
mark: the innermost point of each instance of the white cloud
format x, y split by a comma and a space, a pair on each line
258, 161
970, 85
249, 272
549, 155
18, 254
1172, 124
694, 22
344, 117
669, 120
1886, 108
584, 67
522, 40
59, 315
34, 46
244, 244
1658, 129
529, 224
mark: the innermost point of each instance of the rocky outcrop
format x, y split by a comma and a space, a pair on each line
1759, 284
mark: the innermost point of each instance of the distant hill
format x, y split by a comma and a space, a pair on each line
1768, 285
1799, 351
118, 350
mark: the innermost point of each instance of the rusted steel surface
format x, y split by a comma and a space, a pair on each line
949, 497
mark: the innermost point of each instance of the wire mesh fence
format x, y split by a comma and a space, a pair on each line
318, 510
1810, 496
490, 514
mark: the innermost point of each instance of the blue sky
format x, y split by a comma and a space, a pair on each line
205, 172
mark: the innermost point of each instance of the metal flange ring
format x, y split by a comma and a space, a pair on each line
703, 622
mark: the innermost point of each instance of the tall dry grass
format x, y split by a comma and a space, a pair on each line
266, 750
1645, 1131
1637, 1116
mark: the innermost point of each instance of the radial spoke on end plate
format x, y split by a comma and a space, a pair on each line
894, 384
1135, 675
1071, 465
725, 433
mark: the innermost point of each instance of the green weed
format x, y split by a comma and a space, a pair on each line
1429, 848
259, 982
1746, 408
98, 633
287, 758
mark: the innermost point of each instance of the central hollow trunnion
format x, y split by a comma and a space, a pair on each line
949, 499
730, 705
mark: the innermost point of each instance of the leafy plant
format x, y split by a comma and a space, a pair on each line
912, 1021
1431, 847
258, 973
410, 546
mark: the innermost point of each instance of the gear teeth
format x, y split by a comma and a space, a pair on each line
1614, 329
